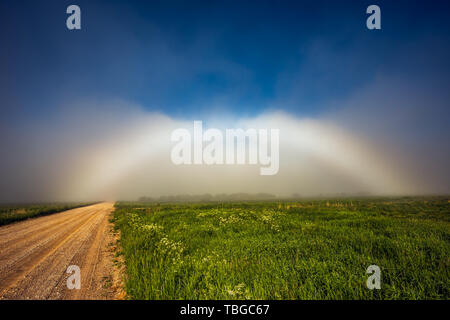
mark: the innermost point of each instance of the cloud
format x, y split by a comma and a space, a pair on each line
117, 150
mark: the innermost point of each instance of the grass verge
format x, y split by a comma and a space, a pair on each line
15, 213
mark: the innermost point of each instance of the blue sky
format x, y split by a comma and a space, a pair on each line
73, 103
188, 58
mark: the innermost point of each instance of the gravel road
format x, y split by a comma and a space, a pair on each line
35, 255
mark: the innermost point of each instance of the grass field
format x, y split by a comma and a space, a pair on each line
316, 249
18, 212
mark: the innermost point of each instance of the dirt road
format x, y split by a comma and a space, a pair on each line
35, 255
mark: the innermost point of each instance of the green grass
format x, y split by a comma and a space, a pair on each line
287, 250
18, 212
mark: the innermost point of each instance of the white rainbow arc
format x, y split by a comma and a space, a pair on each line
145, 146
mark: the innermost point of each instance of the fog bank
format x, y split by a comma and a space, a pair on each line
112, 150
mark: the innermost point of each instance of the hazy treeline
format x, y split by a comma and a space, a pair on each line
209, 197
242, 196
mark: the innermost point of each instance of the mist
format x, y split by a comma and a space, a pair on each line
109, 150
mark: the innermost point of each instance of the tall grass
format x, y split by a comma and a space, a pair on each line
287, 250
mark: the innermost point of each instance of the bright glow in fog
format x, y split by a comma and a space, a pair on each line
127, 155
315, 158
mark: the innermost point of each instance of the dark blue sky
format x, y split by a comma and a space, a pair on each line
188, 58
